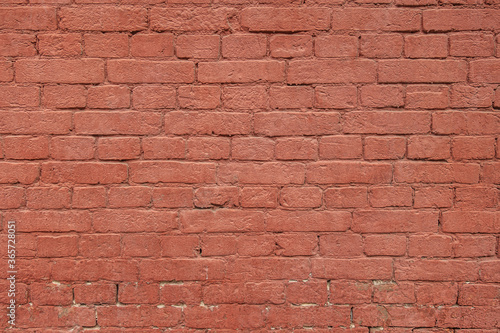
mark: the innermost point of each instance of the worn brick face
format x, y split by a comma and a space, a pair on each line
251, 165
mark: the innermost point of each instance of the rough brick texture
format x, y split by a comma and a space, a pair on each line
251, 165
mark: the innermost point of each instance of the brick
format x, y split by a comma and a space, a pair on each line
346, 197
252, 148
219, 123
426, 97
182, 269
379, 96
171, 172
340, 147
109, 45
6, 71
387, 122
323, 316
28, 18
24, 173
64, 97
180, 246
130, 315
58, 246
348, 172
391, 196
469, 147
134, 293
100, 246
225, 317
428, 148
384, 19
11, 197
335, 46
152, 45
110, 122
219, 196
221, 220
476, 197
64, 45
385, 148
119, 148
16, 96
470, 222
255, 246
103, 18
385, 245
95, 293
467, 317
197, 46
50, 294
250, 293
172, 197
83, 172
108, 97
335, 97
290, 46
60, 71
435, 270
89, 197
254, 269
381, 46
485, 71
199, 97
187, 293
438, 172
426, 46
72, 148
292, 124
490, 173
285, 19
51, 221
291, 97
17, 45
130, 220
436, 293
342, 245
429, 246
314, 292
386, 221
331, 71
282, 220
251, 97
26, 147
478, 294
154, 97
149, 71
472, 246
218, 245
397, 315
301, 197
467, 96
296, 149
472, 45
489, 271
63, 316
143, 245
190, 19
421, 71
471, 123
130, 196
461, 19
265, 173
352, 269
244, 46
48, 197
350, 292
433, 196
241, 71
259, 197
163, 147
390, 293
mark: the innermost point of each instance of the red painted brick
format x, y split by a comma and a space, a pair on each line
179, 246
350, 292
172, 197
282, 220
334, 46
241, 71
335, 97
421, 71
471, 246
352, 269
119, 148
340, 147
24, 173
221, 220
108, 97
314, 292
476, 197
197, 46
301, 197
112, 122
471, 147
11, 197
426, 46
391, 196
291, 97
433, 196
26, 147
331, 71
296, 149
131, 220
189, 19
152, 45
285, 19
386, 19
132, 196
387, 122
58, 246
60, 44
244, 46
89, 197
462, 19
429, 246
171, 172
348, 172
427, 97
470, 222
60, 71
142, 245
185, 293
15, 45
219, 196
381, 46
220, 123
346, 197
259, 197
28, 18
429, 148
438, 293
269, 173
154, 97
109, 45
485, 71
50, 294
390, 293
100, 246
468, 96
48, 197
379, 96
342, 246
218, 245
385, 245
199, 97
471, 45
95, 293
435, 270
386, 221
83, 172
51, 221
252, 148
64, 97
149, 71
251, 97
421, 172
290, 46
292, 124
103, 18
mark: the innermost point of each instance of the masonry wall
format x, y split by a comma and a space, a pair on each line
223, 165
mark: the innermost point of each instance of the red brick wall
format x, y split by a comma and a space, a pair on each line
178, 166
